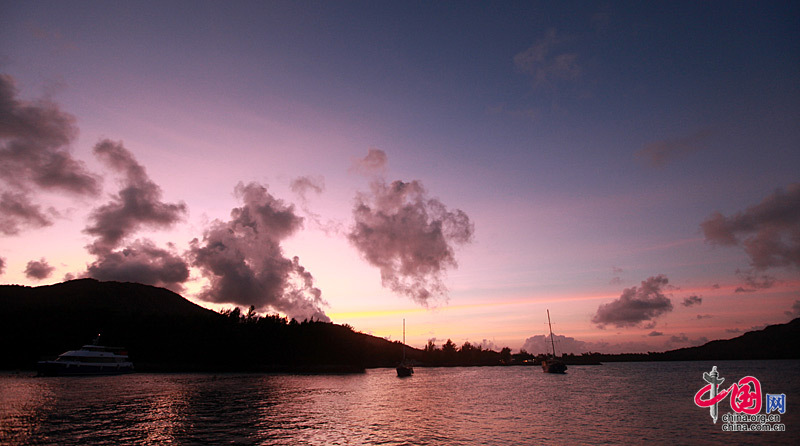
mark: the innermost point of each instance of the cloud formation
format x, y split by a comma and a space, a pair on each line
2, 265
661, 153
243, 260
547, 65
373, 164
409, 237
753, 281
682, 339
793, 312
302, 185
564, 344
617, 271
691, 301
142, 262
17, 210
636, 305
35, 157
138, 204
769, 232
38, 269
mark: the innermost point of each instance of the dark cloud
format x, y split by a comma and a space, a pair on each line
682, 339
372, 164
546, 63
794, 312
655, 333
679, 339
38, 270
18, 211
244, 262
661, 153
636, 305
754, 281
704, 316
691, 301
769, 232
2, 265
409, 237
138, 204
746, 330
142, 262
34, 157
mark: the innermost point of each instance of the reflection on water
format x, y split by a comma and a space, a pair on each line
612, 404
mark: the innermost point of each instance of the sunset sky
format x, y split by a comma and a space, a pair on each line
465, 166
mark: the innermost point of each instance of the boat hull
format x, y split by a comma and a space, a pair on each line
403, 371
56, 368
552, 366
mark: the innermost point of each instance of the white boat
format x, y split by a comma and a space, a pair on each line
89, 360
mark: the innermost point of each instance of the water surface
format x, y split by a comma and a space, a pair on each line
616, 403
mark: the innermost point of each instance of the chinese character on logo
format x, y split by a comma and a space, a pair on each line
745, 396
776, 402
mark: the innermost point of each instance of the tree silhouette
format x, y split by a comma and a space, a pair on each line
505, 356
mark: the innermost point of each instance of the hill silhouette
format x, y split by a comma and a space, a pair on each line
165, 332
780, 341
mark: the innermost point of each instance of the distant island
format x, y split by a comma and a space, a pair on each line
164, 332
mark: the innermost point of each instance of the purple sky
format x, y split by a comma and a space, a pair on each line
631, 167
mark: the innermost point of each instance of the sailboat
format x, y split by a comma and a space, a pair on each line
553, 365
404, 368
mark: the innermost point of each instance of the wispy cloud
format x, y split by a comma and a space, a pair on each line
661, 153
754, 281
546, 63
373, 164
681, 340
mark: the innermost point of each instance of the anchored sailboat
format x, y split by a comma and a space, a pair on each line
404, 368
553, 365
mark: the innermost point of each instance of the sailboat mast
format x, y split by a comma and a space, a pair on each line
548, 323
404, 339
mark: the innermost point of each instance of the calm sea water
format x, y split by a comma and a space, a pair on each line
622, 403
